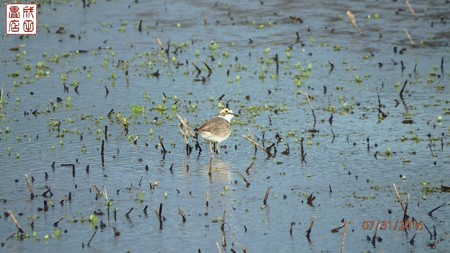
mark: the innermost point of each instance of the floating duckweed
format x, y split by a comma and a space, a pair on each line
35, 236
58, 233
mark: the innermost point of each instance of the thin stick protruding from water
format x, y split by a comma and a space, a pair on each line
409, 37
312, 109
218, 247
375, 234
159, 215
411, 9
207, 202
257, 145
222, 227
13, 218
344, 235
183, 216
30, 187
308, 232
266, 196
247, 183
430, 213
102, 153
353, 21
163, 149
399, 198
186, 127
248, 168
92, 237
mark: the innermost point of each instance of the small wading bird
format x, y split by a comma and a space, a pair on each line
217, 129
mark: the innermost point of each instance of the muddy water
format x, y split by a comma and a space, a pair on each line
60, 91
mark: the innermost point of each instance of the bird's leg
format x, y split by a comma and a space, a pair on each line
211, 150
218, 150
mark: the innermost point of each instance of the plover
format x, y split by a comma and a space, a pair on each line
217, 129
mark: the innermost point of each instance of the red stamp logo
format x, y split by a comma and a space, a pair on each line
21, 19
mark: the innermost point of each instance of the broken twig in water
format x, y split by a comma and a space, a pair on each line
353, 21
344, 235
312, 110
248, 168
30, 187
247, 183
257, 145
186, 127
411, 9
266, 196
375, 234
182, 214
92, 237
308, 232
163, 149
13, 218
430, 213
409, 37
399, 198
222, 227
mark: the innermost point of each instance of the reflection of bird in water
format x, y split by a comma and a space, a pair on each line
220, 171
217, 129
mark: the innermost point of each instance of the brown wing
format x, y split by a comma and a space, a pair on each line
215, 126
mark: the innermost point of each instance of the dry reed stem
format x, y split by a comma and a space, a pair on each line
218, 247
30, 187
344, 235
310, 106
411, 9
353, 21
248, 168
266, 196
409, 37
182, 214
243, 178
13, 218
399, 198
184, 123
257, 145
159, 43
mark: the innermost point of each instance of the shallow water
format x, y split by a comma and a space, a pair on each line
238, 41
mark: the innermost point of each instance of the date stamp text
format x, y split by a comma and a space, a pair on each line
397, 225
